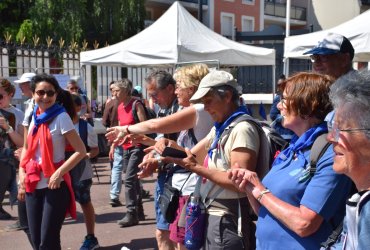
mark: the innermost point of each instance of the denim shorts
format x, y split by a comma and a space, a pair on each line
162, 224
81, 190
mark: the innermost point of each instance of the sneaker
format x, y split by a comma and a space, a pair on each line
140, 212
4, 215
145, 194
14, 227
90, 243
129, 220
115, 203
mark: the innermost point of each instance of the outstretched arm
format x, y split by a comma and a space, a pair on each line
181, 120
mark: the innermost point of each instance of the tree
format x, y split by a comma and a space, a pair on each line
59, 19
73, 20
12, 14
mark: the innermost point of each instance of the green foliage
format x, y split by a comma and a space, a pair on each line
72, 20
25, 31
12, 12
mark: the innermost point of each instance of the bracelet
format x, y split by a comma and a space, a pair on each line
127, 131
263, 192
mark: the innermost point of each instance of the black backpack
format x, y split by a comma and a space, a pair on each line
271, 143
149, 113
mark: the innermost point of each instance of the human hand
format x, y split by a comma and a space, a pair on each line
55, 180
147, 167
17, 153
111, 153
135, 139
189, 162
21, 187
150, 153
115, 135
162, 143
244, 179
4, 123
21, 196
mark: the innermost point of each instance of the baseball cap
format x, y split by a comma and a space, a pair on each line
138, 89
215, 78
332, 44
26, 77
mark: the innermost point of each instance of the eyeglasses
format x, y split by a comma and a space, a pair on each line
283, 100
335, 131
320, 58
74, 88
42, 92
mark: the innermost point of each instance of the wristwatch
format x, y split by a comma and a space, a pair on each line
160, 163
9, 130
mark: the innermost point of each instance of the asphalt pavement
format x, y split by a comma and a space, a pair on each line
109, 234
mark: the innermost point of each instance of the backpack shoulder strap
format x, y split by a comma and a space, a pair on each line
332, 237
82, 128
134, 110
364, 198
226, 133
318, 149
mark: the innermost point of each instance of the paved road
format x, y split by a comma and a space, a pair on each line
109, 234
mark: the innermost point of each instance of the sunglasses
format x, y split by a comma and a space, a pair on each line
74, 88
42, 92
1, 96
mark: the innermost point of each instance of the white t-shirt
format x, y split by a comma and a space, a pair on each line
28, 112
58, 127
92, 142
202, 127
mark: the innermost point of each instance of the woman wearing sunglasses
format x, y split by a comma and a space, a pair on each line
11, 138
45, 183
297, 209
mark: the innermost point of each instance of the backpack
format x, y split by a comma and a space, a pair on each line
149, 113
318, 149
271, 143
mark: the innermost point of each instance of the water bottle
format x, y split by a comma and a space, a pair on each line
195, 224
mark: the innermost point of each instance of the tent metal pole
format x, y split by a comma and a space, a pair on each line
287, 34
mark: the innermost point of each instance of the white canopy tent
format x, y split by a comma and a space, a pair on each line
357, 30
174, 38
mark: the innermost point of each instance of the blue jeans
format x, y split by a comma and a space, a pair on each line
162, 224
116, 176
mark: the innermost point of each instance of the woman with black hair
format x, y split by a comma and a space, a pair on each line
45, 183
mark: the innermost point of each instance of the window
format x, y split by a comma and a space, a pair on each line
247, 23
250, 2
227, 24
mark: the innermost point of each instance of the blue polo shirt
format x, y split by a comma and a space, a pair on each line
325, 193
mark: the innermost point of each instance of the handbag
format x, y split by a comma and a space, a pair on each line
169, 200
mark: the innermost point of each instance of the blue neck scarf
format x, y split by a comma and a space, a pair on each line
48, 115
299, 144
220, 127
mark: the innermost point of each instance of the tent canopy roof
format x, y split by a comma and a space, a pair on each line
174, 38
357, 30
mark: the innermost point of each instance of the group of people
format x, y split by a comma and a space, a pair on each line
298, 204
51, 142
